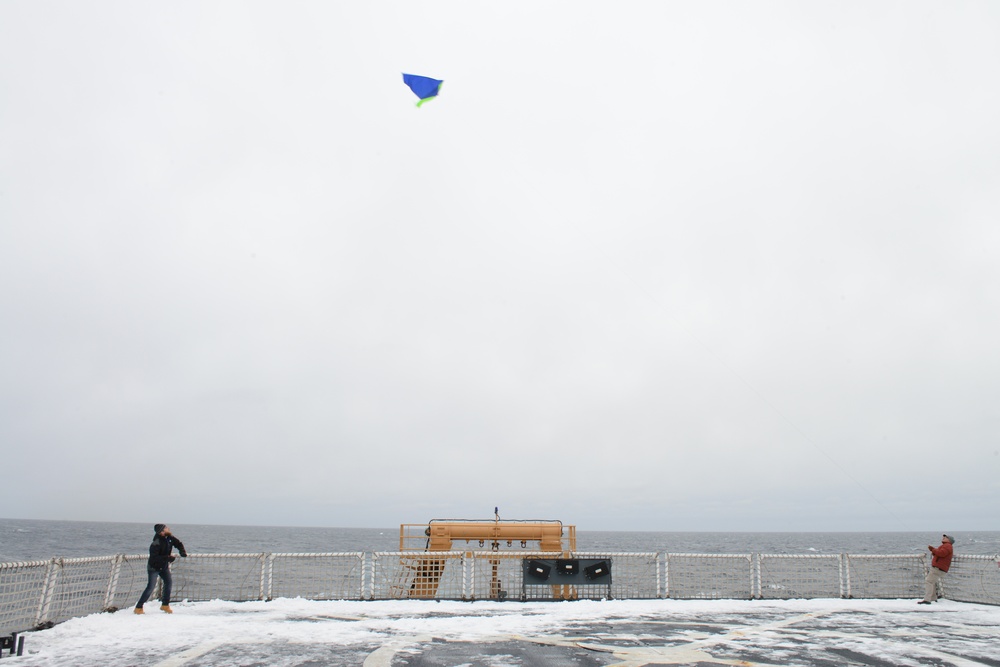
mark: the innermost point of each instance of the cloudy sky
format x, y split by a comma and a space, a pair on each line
641, 266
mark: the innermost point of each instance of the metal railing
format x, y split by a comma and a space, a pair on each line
710, 576
37, 594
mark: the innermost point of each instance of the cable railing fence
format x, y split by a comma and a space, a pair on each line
974, 579
328, 576
709, 576
22, 590
785, 577
37, 594
890, 577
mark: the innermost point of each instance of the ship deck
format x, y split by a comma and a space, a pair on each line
301, 633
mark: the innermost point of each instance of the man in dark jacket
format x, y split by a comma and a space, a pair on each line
940, 563
159, 566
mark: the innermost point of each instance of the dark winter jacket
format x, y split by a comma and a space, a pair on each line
159, 551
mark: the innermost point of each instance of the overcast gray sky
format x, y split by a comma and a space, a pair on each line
642, 265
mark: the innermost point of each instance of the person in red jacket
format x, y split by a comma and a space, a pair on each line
939, 565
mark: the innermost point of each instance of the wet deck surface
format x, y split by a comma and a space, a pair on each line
576, 634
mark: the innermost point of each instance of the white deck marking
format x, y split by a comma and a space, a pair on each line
382, 657
696, 651
192, 653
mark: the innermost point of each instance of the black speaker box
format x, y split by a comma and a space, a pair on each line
597, 570
567, 566
539, 570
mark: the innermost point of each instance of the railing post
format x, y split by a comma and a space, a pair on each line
270, 577
465, 578
666, 575
755, 578
845, 576
48, 591
659, 589
262, 590
362, 556
365, 578
109, 594
473, 570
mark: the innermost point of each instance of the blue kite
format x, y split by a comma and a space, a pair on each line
423, 87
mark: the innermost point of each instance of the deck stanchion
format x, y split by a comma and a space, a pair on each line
109, 594
270, 576
755, 586
659, 589
45, 603
845, 577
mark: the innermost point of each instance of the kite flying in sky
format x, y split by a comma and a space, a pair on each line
423, 87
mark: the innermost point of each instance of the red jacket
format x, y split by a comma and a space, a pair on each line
942, 557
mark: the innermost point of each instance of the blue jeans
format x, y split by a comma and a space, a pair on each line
167, 582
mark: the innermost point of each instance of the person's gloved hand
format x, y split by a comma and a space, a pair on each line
170, 559
184, 554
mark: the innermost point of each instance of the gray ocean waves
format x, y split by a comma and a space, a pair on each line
22, 540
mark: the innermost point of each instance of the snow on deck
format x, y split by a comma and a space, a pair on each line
300, 633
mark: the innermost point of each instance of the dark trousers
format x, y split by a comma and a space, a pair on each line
167, 583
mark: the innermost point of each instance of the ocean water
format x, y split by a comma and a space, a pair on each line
22, 539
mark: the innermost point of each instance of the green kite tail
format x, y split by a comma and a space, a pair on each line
428, 99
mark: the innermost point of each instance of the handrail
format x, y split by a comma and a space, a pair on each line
37, 593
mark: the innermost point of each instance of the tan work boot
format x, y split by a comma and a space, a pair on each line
166, 608
139, 610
